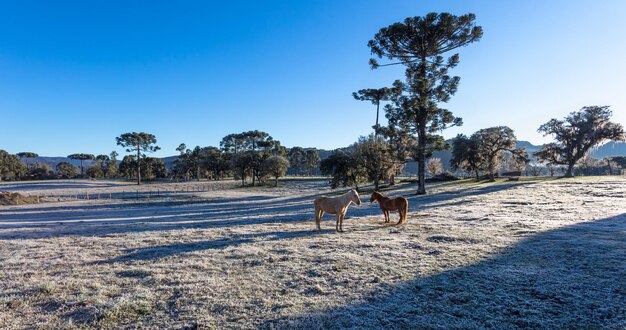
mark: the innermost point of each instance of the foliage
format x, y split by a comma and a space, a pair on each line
66, 170
138, 142
40, 171
616, 162
81, 157
466, 155
377, 158
577, 134
150, 167
418, 43
344, 168
249, 150
11, 167
493, 142
434, 166
275, 167
374, 95
311, 160
297, 159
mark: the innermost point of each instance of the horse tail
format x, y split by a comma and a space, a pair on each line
317, 213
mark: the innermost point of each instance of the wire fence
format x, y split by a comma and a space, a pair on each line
130, 194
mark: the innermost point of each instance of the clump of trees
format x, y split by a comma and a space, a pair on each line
303, 161
137, 143
485, 150
577, 134
81, 158
11, 167
66, 170
371, 159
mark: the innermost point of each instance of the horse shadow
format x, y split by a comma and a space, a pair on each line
566, 278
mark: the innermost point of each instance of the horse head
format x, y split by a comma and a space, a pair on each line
375, 195
355, 197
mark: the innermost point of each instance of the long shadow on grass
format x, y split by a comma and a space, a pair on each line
568, 278
156, 252
102, 219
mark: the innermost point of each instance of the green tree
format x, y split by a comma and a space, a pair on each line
493, 142
374, 95
66, 170
376, 158
138, 142
26, 155
275, 166
419, 43
128, 167
466, 155
615, 162
95, 171
297, 159
81, 157
344, 169
11, 166
311, 160
577, 135
112, 165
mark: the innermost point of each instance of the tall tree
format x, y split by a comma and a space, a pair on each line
66, 170
374, 95
275, 166
577, 134
376, 157
11, 166
297, 159
466, 155
81, 157
138, 142
26, 155
344, 169
419, 43
493, 142
311, 160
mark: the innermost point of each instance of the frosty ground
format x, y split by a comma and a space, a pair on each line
542, 253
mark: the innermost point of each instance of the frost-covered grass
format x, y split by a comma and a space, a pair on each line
530, 254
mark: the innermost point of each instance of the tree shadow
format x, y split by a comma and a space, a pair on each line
25, 222
567, 278
157, 252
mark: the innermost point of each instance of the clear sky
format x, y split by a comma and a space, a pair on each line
76, 74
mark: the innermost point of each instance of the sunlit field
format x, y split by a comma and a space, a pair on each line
540, 253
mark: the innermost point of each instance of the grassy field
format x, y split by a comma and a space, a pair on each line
531, 254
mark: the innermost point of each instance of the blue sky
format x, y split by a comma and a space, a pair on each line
76, 74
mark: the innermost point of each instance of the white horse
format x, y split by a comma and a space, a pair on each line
335, 205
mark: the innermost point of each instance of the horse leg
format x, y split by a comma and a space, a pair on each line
318, 218
386, 216
343, 215
337, 222
401, 217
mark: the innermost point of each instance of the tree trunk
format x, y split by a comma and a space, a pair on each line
421, 159
421, 130
81, 167
276, 182
608, 163
377, 111
569, 172
138, 165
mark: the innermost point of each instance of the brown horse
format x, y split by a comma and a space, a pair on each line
335, 205
391, 204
